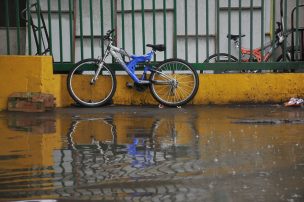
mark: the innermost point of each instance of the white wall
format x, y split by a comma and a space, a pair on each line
181, 35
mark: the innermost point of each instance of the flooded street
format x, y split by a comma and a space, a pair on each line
197, 153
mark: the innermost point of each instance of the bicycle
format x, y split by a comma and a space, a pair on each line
257, 55
173, 82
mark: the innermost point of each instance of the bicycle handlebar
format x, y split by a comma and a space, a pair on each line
108, 34
279, 29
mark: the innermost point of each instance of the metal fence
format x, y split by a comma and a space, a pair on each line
71, 30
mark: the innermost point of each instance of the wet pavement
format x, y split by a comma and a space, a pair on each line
197, 153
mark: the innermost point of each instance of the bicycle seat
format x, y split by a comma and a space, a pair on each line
158, 47
234, 37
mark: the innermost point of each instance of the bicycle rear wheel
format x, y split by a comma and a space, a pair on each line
174, 82
86, 93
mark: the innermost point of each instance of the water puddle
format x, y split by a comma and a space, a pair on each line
126, 153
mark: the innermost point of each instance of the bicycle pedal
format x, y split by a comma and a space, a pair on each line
129, 85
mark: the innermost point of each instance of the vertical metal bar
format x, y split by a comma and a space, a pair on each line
113, 19
29, 20
7, 24
175, 29
143, 25
273, 22
50, 26
262, 29
60, 30
71, 30
101, 28
218, 26
154, 25
240, 30
285, 29
112, 14
165, 26
133, 26
18, 25
81, 28
92, 29
196, 30
186, 29
251, 29
297, 46
207, 29
39, 27
123, 23
229, 29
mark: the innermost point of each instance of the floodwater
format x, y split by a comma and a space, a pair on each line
201, 153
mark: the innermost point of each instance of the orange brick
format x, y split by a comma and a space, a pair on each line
31, 102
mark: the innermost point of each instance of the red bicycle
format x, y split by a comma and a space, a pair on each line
256, 54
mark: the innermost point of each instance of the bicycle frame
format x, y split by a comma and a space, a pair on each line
257, 53
131, 66
128, 67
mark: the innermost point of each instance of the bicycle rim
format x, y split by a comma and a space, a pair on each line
174, 83
85, 93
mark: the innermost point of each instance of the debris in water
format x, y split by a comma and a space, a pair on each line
294, 102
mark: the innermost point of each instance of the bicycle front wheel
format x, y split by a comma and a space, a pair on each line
86, 92
221, 57
174, 82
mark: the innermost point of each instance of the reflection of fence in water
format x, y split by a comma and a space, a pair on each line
149, 157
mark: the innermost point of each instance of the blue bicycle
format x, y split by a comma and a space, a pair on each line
92, 83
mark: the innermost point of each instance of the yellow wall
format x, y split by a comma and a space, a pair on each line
35, 74
27, 74
222, 89
249, 88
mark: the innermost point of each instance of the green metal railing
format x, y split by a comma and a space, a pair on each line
178, 15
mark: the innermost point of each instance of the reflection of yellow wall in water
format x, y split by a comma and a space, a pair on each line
35, 149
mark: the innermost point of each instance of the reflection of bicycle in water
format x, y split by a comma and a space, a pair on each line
96, 154
91, 126
169, 139
177, 137
166, 137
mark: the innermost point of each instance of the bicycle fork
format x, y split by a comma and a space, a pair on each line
100, 65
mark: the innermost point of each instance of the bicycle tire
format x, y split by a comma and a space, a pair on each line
183, 84
219, 55
91, 95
